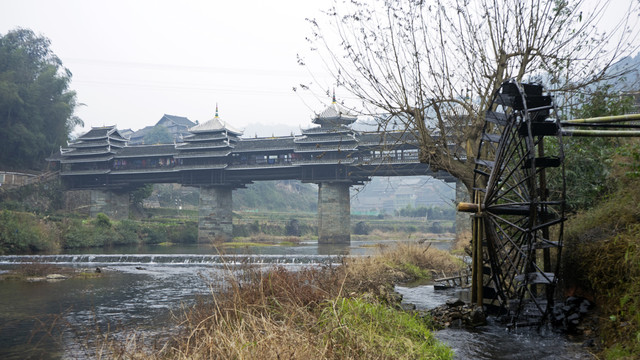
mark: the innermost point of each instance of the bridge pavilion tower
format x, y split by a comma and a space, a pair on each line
331, 144
85, 165
204, 156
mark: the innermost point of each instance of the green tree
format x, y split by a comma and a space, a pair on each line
36, 105
158, 135
141, 193
588, 160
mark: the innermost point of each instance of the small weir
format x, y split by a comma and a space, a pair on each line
169, 259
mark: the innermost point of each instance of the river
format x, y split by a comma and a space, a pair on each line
140, 287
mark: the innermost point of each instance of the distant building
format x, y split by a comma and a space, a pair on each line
178, 127
126, 133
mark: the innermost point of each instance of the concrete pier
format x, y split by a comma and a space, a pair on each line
215, 215
114, 204
334, 213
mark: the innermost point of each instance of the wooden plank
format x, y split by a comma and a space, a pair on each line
495, 117
535, 278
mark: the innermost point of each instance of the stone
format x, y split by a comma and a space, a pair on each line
407, 306
477, 317
56, 277
454, 302
573, 317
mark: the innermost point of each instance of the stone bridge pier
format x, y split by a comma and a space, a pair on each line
114, 204
215, 214
334, 213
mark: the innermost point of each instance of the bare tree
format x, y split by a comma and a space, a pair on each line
434, 66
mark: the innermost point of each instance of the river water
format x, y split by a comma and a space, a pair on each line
141, 287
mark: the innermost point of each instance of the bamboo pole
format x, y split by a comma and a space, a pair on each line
601, 133
604, 119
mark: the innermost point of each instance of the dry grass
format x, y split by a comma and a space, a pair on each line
403, 262
311, 313
378, 234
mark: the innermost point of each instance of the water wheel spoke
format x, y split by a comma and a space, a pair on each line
514, 180
506, 160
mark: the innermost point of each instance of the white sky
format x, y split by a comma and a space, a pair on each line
133, 61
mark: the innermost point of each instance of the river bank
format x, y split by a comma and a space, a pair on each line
287, 295
140, 300
28, 233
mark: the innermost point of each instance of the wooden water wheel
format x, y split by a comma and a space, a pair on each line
519, 220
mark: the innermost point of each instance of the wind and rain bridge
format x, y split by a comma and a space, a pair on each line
100, 168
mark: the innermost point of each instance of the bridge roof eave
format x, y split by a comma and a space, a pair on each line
202, 155
85, 172
201, 167
84, 160
184, 147
286, 149
87, 153
144, 171
326, 162
323, 150
266, 166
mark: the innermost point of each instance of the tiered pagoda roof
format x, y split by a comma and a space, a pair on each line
97, 145
334, 116
213, 138
332, 136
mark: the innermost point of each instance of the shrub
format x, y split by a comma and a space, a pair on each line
24, 233
361, 228
102, 220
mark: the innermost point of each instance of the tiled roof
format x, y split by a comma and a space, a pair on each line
264, 144
324, 130
214, 125
323, 148
179, 120
206, 137
335, 113
388, 138
204, 145
97, 143
85, 152
103, 132
97, 133
146, 150
201, 154
326, 139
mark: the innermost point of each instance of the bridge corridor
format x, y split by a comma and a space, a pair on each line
100, 169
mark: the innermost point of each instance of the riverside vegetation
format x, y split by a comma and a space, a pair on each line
340, 312
31, 222
601, 260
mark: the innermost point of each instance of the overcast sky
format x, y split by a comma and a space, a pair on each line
133, 61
